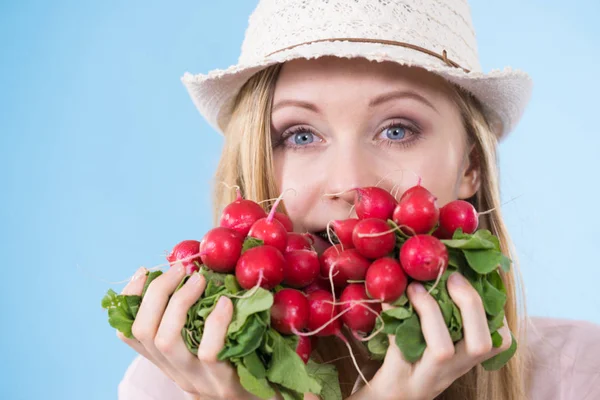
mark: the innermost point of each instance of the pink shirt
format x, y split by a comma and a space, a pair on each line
565, 364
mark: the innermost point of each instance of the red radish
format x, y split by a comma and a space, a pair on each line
321, 312
352, 265
374, 202
183, 250
301, 269
424, 257
343, 230
417, 212
241, 214
284, 220
221, 248
358, 318
289, 311
457, 214
270, 230
347, 265
327, 261
298, 241
262, 263
386, 280
304, 348
319, 283
373, 238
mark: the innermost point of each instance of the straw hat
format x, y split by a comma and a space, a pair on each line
436, 35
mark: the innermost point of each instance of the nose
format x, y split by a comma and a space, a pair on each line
350, 167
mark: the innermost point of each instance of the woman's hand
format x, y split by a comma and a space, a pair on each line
157, 331
442, 363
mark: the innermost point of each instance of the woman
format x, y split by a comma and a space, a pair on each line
331, 95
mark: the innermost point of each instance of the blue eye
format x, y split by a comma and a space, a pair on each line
302, 138
395, 132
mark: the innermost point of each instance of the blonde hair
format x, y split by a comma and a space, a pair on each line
247, 162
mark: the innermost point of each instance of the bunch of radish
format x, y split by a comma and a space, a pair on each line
371, 260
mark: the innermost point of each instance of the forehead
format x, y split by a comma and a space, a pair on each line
326, 75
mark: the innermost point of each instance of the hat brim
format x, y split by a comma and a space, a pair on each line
503, 93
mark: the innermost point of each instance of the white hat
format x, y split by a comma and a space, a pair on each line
436, 35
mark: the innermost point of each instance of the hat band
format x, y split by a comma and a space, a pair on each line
443, 56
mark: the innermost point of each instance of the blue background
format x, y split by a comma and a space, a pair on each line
105, 164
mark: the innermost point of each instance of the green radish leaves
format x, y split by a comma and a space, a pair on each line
122, 309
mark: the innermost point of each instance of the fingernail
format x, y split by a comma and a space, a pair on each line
178, 267
195, 278
457, 279
138, 274
418, 288
221, 303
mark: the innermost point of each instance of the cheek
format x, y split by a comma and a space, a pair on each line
300, 178
438, 164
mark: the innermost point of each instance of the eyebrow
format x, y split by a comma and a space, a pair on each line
401, 94
296, 103
377, 101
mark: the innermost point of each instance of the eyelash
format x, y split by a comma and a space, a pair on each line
413, 131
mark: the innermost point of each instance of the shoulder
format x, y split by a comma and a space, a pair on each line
564, 358
145, 381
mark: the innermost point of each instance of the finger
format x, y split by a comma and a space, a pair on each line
477, 342
213, 340
151, 313
440, 348
168, 338
136, 284
154, 303
135, 287
215, 330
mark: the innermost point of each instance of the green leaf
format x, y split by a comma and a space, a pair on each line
496, 340
250, 243
493, 298
261, 300
410, 339
378, 346
500, 360
480, 240
327, 376
399, 313
288, 394
257, 386
393, 317
122, 310
109, 299
284, 361
255, 366
401, 301
151, 276
505, 263
231, 284
246, 340
483, 261
456, 258
496, 322
214, 281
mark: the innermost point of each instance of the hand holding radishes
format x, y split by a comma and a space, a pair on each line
157, 334
442, 362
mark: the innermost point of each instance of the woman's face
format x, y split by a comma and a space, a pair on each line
339, 124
